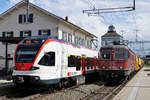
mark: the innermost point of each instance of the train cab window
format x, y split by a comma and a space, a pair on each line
121, 53
48, 59
26, 53
106, 54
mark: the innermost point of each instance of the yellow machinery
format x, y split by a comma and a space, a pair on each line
139, 63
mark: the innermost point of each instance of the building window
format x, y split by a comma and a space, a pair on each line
30, 19
69, 37
23, 18
82, 42
89, 44
8, 34
76, 40
79, 41
25, 33
64, 36
45, 32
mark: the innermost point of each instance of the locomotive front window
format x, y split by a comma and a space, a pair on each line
106, 54
121, 54
26, 54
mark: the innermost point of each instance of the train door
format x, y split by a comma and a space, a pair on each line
83, 65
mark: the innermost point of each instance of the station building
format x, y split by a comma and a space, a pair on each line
111, 37
13, 23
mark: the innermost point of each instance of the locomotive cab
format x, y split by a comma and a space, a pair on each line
117, 62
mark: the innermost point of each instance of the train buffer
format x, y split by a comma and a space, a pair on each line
138, 88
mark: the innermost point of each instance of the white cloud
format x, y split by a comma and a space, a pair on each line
128, 21
16, 1
73, 9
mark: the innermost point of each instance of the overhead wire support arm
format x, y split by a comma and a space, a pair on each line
84, 11
95, 11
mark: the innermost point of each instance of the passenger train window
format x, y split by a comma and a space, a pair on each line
71, 61
78, 63
48, 59
74, 61
89, 62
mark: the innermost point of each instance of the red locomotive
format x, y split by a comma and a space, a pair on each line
116, 62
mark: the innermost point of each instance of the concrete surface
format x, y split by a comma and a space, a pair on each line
138, 88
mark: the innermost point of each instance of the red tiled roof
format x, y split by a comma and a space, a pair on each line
111, 34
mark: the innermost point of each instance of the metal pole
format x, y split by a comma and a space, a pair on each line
133, 4
136, 35
6, 55
27, 10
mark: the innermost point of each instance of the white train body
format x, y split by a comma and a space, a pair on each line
45, 60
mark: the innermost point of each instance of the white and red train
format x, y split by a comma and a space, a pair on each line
47, 60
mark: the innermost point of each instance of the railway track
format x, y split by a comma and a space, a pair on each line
106, 92
91, 91
11, 92
6, 84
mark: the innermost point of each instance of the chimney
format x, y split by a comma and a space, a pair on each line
66, 18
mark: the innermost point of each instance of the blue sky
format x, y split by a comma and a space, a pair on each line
129, 21
4, 4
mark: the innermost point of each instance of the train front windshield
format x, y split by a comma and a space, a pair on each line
26, 54
121, 54
106, 54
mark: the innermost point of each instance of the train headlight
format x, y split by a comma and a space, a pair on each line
121, 67
37, 78
103, 67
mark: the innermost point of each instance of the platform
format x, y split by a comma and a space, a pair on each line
138, 88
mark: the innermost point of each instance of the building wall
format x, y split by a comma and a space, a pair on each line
77, 35
11, 23
40, 21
